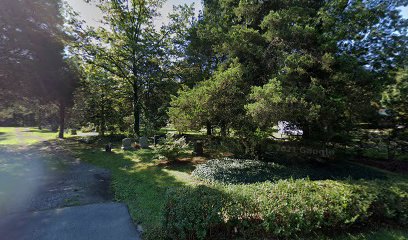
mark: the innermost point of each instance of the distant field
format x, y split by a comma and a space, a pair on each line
24, 136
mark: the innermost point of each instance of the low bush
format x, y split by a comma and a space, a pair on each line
171, 147
228, 170
286, 209
235, 171
89, 128
391, 202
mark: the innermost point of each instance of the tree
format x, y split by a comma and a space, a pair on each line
218, 101
97, 100
32, 49
395, 96
316, 64
131, 50
332, 57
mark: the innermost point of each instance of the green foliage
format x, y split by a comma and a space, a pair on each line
193, 220
236, 171
195, 210
319, 65
218, 100
375, 234
96, 101
288, 208
133, 53
88, 128
171, 147
395, 96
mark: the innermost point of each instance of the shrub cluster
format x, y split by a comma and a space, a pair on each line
285, 209
171, 147
235, 171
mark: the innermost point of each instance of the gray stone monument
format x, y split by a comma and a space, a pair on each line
127, 144
144, 143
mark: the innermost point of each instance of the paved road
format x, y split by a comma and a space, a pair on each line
46, 194
107, 221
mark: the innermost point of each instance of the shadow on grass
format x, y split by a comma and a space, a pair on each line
137, 180
4, 136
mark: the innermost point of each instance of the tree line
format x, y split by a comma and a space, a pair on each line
239, 67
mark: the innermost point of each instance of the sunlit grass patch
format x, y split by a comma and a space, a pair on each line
8, 136
24, 136
139, 180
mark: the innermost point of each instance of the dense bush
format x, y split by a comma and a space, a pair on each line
228, 170
89, 128
171, 147
286, 209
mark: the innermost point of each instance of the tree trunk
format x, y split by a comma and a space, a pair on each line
306, 131
40, 118
136, 109
223, 130
61, 120
103, 119
209, 129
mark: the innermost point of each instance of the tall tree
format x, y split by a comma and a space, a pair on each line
219, 100
316, 64
130, 48
31, 49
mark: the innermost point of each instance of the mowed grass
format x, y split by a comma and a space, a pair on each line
8, 136
141, 181
24, 136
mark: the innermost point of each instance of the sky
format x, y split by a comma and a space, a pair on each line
92, 14
404, 12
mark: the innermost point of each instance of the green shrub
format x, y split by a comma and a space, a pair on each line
237, 171
228, 170
392, 202
286, 209
89, 128
171, 147
184, 219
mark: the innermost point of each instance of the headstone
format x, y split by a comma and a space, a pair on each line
198, 148
127, 144
108, 147
157, 138
144, 143
54, 128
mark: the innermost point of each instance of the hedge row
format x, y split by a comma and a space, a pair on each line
236, 171
286, 209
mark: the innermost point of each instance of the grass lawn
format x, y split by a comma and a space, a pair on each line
25, 135
8, 136
141, 181
138, 180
